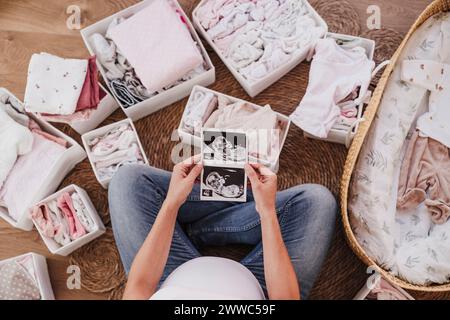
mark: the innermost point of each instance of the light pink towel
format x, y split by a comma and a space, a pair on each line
158, 45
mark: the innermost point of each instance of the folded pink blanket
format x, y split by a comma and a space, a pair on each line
158, 45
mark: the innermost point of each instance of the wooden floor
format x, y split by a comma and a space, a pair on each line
29, 26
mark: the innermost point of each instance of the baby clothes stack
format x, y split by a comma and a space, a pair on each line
64, 220
338, 82
18, 280
27, 156
263, 129
62, 90
257, 37
116, 148
147, 53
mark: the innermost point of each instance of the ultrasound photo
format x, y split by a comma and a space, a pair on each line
226, 146
223, 184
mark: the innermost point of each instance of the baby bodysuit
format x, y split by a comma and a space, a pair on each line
433, 76
335, 73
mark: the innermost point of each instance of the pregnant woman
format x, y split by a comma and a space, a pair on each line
159, 223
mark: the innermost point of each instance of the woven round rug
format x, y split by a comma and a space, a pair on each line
386, 43
99, 262
302, 161
339, 15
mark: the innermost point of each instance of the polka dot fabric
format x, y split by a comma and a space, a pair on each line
16, 283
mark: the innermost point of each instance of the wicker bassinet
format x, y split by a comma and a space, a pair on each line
434, 8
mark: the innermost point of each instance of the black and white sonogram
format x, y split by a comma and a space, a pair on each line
227, 146
223, 184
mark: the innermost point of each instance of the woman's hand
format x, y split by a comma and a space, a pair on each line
182, 181
264, 186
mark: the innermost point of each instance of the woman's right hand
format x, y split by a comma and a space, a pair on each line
264, 186
182, 181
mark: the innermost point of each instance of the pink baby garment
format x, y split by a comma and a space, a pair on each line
425, 176
89, 97
335, 73
41, 216
76, 229
158, 45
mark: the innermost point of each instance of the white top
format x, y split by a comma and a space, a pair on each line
435, 77
210, 278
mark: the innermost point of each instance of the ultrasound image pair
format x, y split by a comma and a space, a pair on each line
224, 155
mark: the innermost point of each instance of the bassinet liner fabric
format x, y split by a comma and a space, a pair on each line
373, 162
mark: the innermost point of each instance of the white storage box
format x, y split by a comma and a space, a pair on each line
254, 88
101, 131
98, 230
40, 272
196, 141
341, 136
104, 109
169, 96
73, 155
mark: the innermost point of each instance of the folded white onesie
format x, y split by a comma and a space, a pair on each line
54, 84
334, 74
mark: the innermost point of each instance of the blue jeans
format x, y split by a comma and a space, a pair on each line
306, 214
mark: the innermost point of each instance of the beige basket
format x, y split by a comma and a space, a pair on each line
434, 8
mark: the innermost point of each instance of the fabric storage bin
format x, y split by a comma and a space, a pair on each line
40, 268
167, 97
101, 131
376, 116
72, 156
97, 231
254, 88
341, 136
190, 139
104, 109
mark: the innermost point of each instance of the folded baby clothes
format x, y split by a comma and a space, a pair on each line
64, 219
334, 74
42, 216
90, 93
425, 176
76, 229
198, 111
54, 84
51, 222
157, 44
115, 149
15, 140
62, 234
28, 173
435, 77
16, 283
260, 124
257, 37
82, 213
